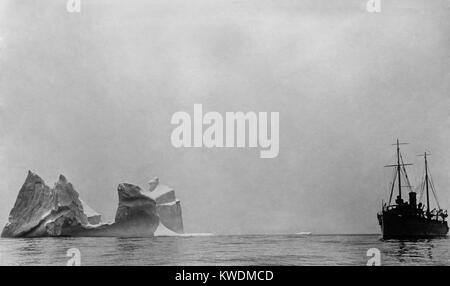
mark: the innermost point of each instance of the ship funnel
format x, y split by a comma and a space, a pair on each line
412, 199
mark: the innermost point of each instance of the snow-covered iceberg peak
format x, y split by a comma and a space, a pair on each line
152, 184
43, 211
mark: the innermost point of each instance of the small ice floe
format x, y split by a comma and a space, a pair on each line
303, 233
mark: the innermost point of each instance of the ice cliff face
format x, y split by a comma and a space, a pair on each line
167, 206
136, 216
43, 211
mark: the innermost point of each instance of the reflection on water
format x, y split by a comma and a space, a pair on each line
419, 251
226, 250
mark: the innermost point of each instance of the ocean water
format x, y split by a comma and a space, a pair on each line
225, 250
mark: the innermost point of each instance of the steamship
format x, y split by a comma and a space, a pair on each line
409, 219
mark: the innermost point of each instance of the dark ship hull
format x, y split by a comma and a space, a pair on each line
394, 226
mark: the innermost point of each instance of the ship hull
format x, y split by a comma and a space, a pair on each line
405, 227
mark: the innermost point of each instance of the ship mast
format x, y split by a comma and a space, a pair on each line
399, 165
398, 171
426, 182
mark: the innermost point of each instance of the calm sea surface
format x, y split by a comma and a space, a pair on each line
226, 250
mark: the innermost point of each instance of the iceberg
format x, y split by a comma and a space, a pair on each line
41, 211
168, 206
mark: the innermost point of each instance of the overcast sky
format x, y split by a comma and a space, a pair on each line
91, 95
